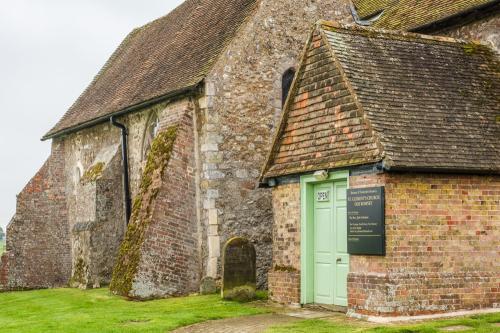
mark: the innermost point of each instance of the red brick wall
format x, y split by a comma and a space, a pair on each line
169, 263
284, 286
38, 250
443, 241
284, 276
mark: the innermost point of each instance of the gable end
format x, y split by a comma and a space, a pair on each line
323, 125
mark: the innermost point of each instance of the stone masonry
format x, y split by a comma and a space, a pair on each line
239, 114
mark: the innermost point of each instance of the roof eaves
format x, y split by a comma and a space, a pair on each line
470, 14
472, 171
371, 31
134, 108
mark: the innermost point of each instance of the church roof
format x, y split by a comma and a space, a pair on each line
410, 15
166, 56
412, 102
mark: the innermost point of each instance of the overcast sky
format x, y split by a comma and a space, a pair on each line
49, 52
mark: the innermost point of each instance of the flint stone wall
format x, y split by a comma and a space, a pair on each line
486, 30
241, 108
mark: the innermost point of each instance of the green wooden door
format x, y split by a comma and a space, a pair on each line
331, 261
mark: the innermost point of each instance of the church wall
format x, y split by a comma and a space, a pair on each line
38, 249
240, 112
486, 30
96, 210
159, 256
169, 263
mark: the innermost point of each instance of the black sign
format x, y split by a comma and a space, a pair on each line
366, 221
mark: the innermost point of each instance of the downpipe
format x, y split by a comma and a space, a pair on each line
126, 181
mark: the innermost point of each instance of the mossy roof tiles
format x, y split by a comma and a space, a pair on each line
172, 53
433, 102
412, 14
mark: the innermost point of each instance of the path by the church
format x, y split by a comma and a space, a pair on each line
253, 324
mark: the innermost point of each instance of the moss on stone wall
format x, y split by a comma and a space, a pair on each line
130, 250
79, 276
93, 173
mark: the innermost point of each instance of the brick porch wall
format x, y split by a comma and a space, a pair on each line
284, 276
442, 246
284, 286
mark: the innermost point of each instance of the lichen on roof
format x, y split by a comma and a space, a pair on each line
412, 14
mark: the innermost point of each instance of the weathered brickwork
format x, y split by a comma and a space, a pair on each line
159, 256
284, 275
239, 114
486, 31
169, 256
38, 248
443, 235
284, 286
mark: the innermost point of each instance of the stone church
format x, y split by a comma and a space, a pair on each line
157, 164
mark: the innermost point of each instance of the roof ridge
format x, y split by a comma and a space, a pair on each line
351, 27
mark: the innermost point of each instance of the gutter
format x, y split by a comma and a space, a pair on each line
367, 21
455, 171
130, 109
461, 18
126, 180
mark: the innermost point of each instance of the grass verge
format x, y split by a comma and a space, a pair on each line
73, 310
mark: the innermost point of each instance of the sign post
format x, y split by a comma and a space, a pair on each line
366, 221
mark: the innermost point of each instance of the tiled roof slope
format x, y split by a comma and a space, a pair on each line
412, 14
167, 55
431, 103
323, 127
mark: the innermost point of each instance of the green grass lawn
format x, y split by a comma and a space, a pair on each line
478, 324
97, 311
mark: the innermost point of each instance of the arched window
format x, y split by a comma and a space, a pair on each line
286, 84
150, 132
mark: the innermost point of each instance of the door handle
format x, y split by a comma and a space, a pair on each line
339, 260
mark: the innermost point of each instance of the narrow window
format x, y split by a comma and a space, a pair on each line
286, 84
150, 132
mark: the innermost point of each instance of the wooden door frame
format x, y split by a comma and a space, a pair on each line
307, 183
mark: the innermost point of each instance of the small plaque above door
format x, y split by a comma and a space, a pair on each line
323, 196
